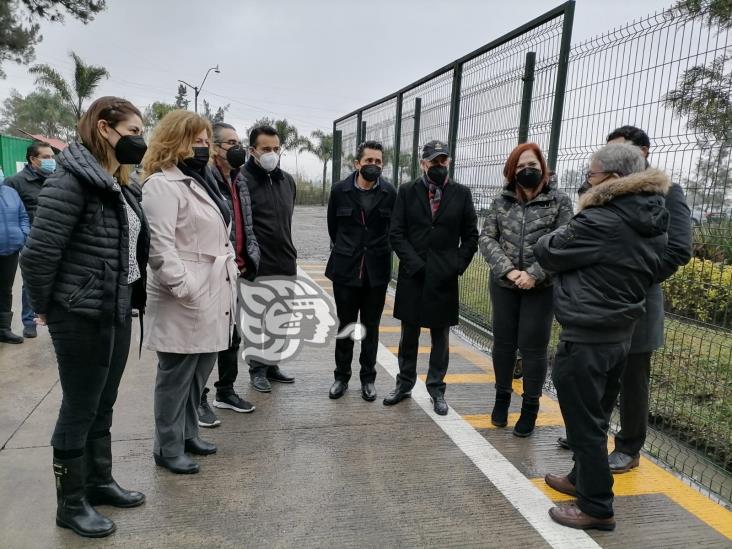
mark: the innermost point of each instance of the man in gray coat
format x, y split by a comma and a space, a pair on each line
649, 331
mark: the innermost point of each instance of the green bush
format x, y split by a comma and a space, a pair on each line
713, 241
701, 290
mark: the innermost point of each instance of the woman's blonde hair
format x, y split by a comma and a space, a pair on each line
172, 140
114, 110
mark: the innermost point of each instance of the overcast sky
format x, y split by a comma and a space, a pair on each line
309, 61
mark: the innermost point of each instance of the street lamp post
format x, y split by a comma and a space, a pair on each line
197, 89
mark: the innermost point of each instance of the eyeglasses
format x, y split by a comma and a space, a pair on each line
232, 142
592, 174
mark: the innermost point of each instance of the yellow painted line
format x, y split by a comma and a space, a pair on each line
321, 280
544, 419
551, 493
308, 266
648, 478
464, 378
396, 330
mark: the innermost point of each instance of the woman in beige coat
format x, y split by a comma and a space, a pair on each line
191, 284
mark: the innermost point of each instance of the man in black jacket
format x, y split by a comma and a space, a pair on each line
359, 215
649, 330
28, 183
605, 260
272, 192
228, 157
434, 232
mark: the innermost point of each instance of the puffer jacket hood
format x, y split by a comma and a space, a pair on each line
628, 198
607, 257
79, 161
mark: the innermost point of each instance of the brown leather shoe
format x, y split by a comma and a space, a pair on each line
561, 484
570, 515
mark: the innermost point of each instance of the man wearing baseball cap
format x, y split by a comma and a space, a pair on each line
434, 232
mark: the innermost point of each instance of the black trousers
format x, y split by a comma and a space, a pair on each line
8, 267
522, 320
91, 360
634, 404
228, 365
439, 358
587, 379
352, 302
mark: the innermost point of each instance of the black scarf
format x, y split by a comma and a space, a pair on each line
206, 180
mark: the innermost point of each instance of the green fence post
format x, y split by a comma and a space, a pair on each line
561, 84
526, 97
415, 138
363, 132
359, 126
457, 78
337, 145
397, 138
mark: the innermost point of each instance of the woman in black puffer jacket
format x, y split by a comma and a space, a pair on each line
84, 268
521, 292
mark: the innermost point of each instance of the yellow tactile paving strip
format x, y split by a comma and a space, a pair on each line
648, 478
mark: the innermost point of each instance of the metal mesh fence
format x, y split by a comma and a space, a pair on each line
669, 74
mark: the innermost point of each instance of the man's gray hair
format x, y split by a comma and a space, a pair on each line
620, 158
218, 128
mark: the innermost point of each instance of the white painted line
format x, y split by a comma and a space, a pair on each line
515, 487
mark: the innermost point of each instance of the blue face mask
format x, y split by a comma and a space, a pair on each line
48, 165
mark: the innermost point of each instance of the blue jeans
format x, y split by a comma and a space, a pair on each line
28, 314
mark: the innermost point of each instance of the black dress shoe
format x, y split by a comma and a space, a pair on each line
440, 406
622, 463
199, 447
395, 397
338, 389
260, 382
275, 374
180, 465
368, 392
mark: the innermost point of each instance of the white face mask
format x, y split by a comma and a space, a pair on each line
269, 161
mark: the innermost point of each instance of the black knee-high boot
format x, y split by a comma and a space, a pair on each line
74, 511
101, 488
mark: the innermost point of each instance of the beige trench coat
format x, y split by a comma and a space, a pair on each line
191, 283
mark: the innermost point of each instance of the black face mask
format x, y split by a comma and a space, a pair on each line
370, 172
236, 157
199, 160
529, 178
437, 174
129, 148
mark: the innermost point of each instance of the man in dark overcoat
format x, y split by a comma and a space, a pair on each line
434, 233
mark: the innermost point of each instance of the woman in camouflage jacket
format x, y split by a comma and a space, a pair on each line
521, 292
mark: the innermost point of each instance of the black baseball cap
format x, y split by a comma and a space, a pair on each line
433, 149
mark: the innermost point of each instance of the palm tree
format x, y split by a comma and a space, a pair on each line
86, 80
289, 137
323, 150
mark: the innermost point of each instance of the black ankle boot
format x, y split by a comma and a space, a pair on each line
529, 410
101, 488
74, 511
6, 334
499, 415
